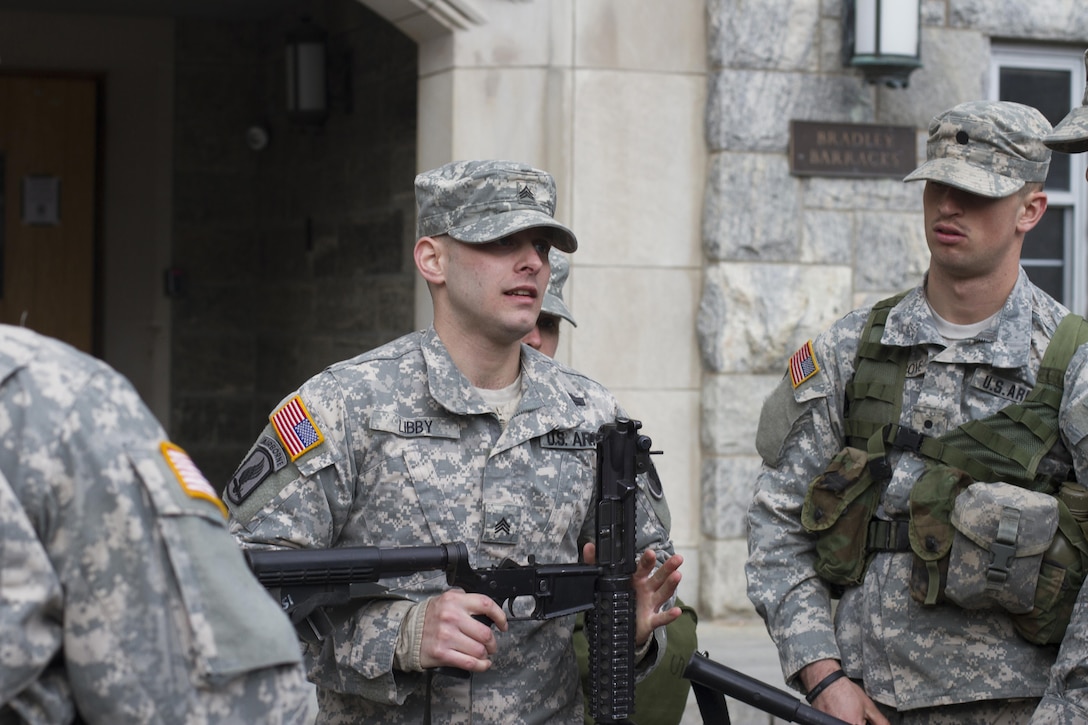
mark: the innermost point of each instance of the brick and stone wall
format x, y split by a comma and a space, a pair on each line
297, 255
785, 256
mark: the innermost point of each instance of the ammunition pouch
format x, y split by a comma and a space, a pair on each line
931, 532
1063, 569
837, 508
1001, 534
974, 545
996, 546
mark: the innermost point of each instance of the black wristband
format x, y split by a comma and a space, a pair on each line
823, 685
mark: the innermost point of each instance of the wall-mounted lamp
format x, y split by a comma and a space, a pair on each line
307, 88
883, 39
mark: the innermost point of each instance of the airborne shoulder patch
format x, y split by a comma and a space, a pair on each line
266, 458
803, 364
295, 427
189, 476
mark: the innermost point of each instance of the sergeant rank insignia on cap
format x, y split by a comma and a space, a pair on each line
803, 364
189, 476
295, 427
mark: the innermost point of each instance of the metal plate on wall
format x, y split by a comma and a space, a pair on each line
851, 149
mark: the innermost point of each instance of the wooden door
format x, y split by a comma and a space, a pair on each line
47, 200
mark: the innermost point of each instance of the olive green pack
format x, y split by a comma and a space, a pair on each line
1007, 446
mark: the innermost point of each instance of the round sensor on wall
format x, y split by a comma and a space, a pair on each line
256, 137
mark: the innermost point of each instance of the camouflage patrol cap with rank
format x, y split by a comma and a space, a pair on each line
988, 148
482, 201
553, 303
1070, 136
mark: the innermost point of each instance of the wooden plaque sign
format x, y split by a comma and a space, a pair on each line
851, 149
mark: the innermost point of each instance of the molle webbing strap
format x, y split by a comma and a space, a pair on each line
1006, 446
874, 396
904, 438
1015, 439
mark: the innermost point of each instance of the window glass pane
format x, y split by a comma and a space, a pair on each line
1047, 90
1049, 279
1047, 239
1043, 254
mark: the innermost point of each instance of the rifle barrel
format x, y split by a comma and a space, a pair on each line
345, 565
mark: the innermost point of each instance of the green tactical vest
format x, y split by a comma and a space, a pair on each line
1007, 446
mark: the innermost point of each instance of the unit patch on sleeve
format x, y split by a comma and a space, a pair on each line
803, 364
189, 476
266, 458
295, 427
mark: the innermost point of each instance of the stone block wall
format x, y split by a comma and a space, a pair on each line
297, 255
785, 256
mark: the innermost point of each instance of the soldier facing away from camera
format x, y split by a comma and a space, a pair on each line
123, 598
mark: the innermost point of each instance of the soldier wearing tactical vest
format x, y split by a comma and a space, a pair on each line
911, 475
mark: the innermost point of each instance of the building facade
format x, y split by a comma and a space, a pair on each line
785, 255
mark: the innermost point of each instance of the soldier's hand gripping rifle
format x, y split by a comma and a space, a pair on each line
315, 585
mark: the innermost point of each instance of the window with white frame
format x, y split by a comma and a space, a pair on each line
1051, 79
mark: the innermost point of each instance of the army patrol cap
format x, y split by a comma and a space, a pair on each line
553, 303
481, 201
1070, 136
989, 148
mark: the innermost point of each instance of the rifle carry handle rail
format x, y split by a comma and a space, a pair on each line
622, 454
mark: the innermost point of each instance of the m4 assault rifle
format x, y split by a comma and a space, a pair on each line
313, 584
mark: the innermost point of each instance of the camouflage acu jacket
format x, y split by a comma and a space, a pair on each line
395, 448
123, 599
907, 655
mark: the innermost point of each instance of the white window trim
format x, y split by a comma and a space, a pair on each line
1076, 199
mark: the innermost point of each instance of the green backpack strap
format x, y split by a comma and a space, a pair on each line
1006, 446
1072, 332
1013, 441
874, 395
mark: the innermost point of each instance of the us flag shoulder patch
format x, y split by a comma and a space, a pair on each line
295, 427
803, 364
189, 476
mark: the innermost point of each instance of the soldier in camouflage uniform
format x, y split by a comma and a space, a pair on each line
123, 598
974, 320
455, 433
545, 334
1066, 698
